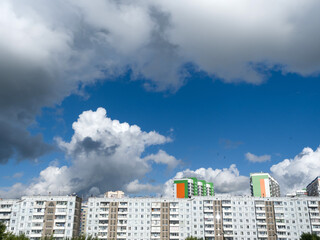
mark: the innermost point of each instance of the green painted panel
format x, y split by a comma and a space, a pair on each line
255, 181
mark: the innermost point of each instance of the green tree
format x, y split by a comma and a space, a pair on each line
2, 231
309, 236
193, 238
11, 236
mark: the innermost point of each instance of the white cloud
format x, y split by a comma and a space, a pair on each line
105, 155
297, 173
254, 158
17, 175
164, 158
12, 192
226, 180
137, 187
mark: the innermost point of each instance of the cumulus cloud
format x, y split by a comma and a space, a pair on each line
254, 158
164, 158
296, 173
226, 180
105, 155
137, 187
48, 48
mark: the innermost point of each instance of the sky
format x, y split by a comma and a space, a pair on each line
121, 95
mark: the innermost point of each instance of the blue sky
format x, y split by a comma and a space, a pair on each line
213, 95
212, 124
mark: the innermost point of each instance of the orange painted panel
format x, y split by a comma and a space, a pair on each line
180, 190
263, 188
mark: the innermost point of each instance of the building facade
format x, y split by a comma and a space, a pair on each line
219, 218
298, 193
116, 194
6, 206
192, 187
263, 185
313, 188
41, 216
83, 219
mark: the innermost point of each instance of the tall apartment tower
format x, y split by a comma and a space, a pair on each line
190, 187
263, 185
313, 188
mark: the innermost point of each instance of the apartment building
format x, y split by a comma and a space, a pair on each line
6, 206
40, 216
83, 218
190, 187
313, 188
116, 194
298, 193
219, 218
263, 185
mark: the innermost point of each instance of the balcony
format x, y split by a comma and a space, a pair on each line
226, 209
38, 213
58, 235
209, 228
263, 234
122, 223
35, 235
3, 217
37, 220
227, 227
174, 229
37, 227
122, 229
59, 227
60, 220
5, 210
122, 216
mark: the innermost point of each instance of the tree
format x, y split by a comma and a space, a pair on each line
309, 236
193, 238
2, 231
10, 236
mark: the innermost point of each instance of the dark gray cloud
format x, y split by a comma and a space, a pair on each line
24, 90
104, 155
88, 145
47, 48
18, 143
